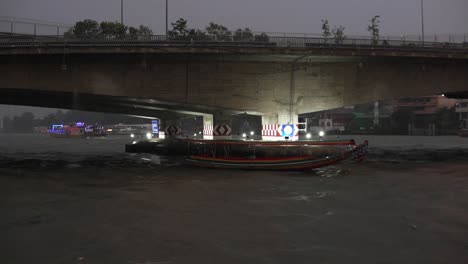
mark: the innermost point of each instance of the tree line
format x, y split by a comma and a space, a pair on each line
89, 28
445, 120
338, 36
181, 31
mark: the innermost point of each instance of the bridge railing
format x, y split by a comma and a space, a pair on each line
27, 26
222, 41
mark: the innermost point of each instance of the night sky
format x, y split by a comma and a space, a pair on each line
397, 16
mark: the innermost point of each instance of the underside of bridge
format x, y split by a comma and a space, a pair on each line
278, 87
141, 107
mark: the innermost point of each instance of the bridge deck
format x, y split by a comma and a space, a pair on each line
273, 45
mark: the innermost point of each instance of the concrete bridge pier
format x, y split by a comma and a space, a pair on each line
222, 127
272, 122
238, 127
280, 119
166, 127
183, 127
207, 127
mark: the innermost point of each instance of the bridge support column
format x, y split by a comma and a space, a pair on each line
222, 127
271, 125
183, 127
286, 119
191, 127
238, 127
207, 126
169, 128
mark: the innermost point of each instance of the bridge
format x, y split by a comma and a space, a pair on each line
276, 77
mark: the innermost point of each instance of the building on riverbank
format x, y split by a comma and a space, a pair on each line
427, 115
462, 110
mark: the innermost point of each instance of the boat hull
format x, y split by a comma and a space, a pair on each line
282, 164
54, 135
356, 153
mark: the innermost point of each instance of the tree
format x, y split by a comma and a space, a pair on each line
69, 33
196, 34
325, 28
400, 120
144, 30
86, 29
374, 29
219, 32
243, 35
133, 32
338, 34
447, 119
263, 37
179, 29
113, 29
23, 123
140, 32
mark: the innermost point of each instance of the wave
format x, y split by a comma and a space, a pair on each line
67, 160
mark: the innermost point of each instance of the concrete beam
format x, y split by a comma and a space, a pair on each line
216, 86
351, 51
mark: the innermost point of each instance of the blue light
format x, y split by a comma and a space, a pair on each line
287, 130
57, 127
155, 126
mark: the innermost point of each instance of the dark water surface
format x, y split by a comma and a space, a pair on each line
86, 201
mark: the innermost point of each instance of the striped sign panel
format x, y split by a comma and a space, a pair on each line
271, 130
274, 130
208, 130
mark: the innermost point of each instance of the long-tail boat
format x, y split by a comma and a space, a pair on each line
268, 155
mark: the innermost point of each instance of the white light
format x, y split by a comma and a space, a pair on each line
288, 130
244, 135
195, 134
132, 135
443, 94
308, 136
251, 133
199, 132
148, 135
134, 142
321, 133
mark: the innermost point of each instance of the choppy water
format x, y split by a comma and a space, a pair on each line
43, 151
87, 201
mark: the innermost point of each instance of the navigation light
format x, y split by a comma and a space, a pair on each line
149, 135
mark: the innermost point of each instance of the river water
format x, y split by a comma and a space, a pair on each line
87, 201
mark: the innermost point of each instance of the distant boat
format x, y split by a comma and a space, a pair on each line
76, 130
